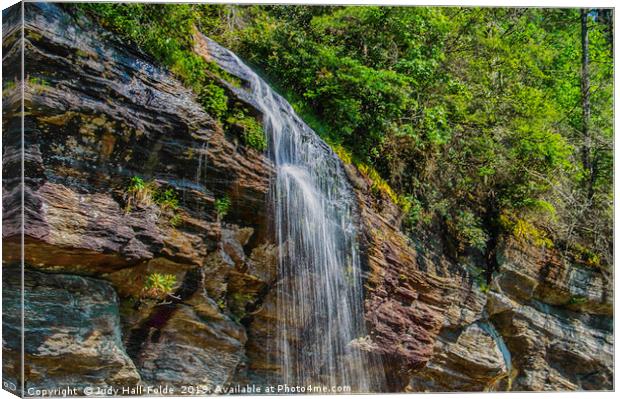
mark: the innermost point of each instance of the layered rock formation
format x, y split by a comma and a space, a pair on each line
542, 324
100, 113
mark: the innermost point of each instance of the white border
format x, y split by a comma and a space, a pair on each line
483, 3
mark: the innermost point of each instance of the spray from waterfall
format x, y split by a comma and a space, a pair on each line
321, 332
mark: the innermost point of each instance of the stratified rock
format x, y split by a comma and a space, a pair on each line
405, 307
71, 331
542, 324
105, 113
558, 326
191, 348
473, 359
528, 272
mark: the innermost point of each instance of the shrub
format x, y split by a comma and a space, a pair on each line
222, 206
468, 230
524, 230
252, 132
167, 200
412, 209
213, 99
158, 286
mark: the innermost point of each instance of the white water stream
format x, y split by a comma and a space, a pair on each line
319, 293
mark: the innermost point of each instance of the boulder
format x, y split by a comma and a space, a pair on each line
72, 334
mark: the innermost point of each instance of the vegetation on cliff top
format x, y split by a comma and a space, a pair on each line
469, 118
484, 121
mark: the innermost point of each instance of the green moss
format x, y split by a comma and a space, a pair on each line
33, 36
238, 303
577, 300
81, 53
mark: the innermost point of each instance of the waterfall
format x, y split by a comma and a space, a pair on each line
321, 334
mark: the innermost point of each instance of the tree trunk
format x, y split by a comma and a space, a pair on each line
586, 154
605, 16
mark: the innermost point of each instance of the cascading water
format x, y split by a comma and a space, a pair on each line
321, 332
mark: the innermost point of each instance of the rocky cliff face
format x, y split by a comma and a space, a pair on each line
99, 113
542, 323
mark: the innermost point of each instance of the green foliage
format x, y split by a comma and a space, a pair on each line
136, 184
222, 206
577, 300
344, 155
175, 220
468, 230
586, 256
221, 304
238, 302
484, 287
252, 132
158, 286
8, 85
413, 210
474, 112
167, 199
141, 194
37, 84
525, 231
213, 99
